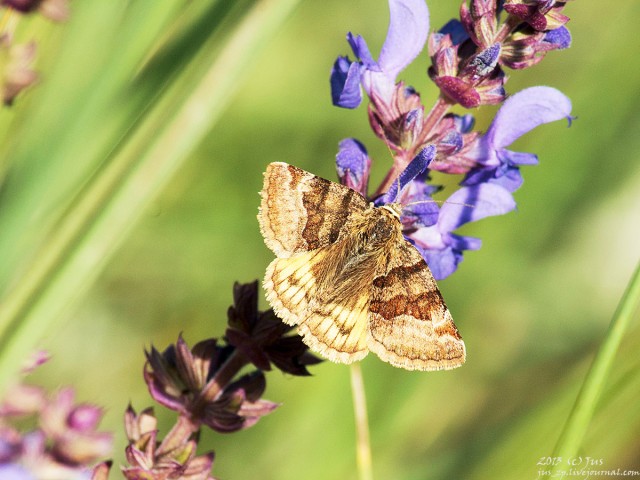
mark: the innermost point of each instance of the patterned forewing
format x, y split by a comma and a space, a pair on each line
410, 325
301, 212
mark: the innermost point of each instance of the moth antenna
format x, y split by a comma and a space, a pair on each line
440, 202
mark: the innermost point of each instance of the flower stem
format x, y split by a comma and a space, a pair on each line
179, 435
363, 445
439, 110
224, 375
576, 426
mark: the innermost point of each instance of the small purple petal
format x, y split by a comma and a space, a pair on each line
361, 51
353, 165
421, 214
413, 120
407, 34
524, 111
345, 83
517, 158
561, 37
442, 263
418, 165
464, 123
461, 242
452, 140
469, 204
508, 177
456, 30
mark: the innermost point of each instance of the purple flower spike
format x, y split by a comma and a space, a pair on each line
407, 34
353, 165
521, 113
417, 166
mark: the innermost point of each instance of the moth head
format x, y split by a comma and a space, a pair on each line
394, 208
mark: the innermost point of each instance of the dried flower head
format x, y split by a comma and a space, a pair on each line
262, 336
196, 383
154, 460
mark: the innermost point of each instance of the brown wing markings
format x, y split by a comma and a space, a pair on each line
323, 227
301, 212
410, 325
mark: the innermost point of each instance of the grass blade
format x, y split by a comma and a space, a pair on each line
587, 400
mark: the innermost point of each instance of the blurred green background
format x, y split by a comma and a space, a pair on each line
532, 305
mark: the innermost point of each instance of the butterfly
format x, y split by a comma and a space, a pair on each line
347, 277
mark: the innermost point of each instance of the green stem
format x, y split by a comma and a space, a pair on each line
102, 215
363, 447
585, 405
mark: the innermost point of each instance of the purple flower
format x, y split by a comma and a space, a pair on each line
521, 113
442, 249
524, 48
407, 34
73, 429
262, 337
560, 37
353, 165
468, 56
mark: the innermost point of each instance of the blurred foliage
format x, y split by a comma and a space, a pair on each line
532, 304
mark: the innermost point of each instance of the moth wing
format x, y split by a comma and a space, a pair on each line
338, 331
301, 212
409, 324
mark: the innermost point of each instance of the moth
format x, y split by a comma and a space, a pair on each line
346, 276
